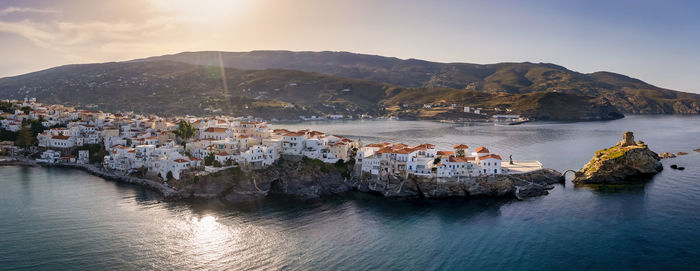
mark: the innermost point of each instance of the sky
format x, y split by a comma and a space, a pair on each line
655, 41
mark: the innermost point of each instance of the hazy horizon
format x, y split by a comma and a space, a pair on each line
647, 40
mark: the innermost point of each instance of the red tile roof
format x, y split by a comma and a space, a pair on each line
426, 145
490, 156
460, 159
460, 146
403, 151
482, 150
300, 133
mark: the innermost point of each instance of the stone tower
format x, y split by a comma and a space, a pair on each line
627, 139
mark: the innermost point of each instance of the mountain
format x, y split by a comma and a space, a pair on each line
175, 88
627, 94
286, 85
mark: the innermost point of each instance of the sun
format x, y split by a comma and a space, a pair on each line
203, 10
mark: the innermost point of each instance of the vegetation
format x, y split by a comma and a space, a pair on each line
6, 135
26, 109
25, 138
6, 107
169, 175
209, 159
36, 126
185, 130
378, 86
97, 152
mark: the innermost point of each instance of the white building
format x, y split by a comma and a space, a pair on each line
83, 157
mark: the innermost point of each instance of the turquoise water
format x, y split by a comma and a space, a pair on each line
53, 219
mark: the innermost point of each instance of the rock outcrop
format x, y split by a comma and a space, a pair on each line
625, 162
525, 185
666, 155
290, 176
309, 179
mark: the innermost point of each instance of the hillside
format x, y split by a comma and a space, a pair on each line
176, 88
627, 94
173, 88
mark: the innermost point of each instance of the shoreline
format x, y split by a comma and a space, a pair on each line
168, 193
525, 189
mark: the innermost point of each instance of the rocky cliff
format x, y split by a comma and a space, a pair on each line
308, 179
627, 161
521, 186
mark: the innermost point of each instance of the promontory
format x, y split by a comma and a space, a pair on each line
627, 161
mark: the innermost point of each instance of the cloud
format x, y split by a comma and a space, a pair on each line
10, 10
70, 34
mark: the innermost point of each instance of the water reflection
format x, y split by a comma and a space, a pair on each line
54, 219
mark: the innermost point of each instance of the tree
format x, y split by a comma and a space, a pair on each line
339, 163
97, 152
185, 130
26, 109
209, 159
217, 164
36, 126
169, 175
460, 153
436, 161
6, 107
7, 135
24, 138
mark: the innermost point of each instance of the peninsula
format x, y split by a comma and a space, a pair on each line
239, 159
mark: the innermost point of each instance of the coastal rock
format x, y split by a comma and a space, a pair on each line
682, 153
696, 150
621, 163
522, 186
665, 155
309, 179
289, 176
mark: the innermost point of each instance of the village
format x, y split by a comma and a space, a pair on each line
171, 148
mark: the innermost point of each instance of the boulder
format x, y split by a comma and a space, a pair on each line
621, 163
665, 155
682, 153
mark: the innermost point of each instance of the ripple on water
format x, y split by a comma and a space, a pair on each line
59, 219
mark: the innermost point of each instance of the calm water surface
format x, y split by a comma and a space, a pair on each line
52, 219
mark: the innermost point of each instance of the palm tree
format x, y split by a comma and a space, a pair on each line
185, 130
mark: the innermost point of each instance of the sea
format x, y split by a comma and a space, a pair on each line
65, 219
